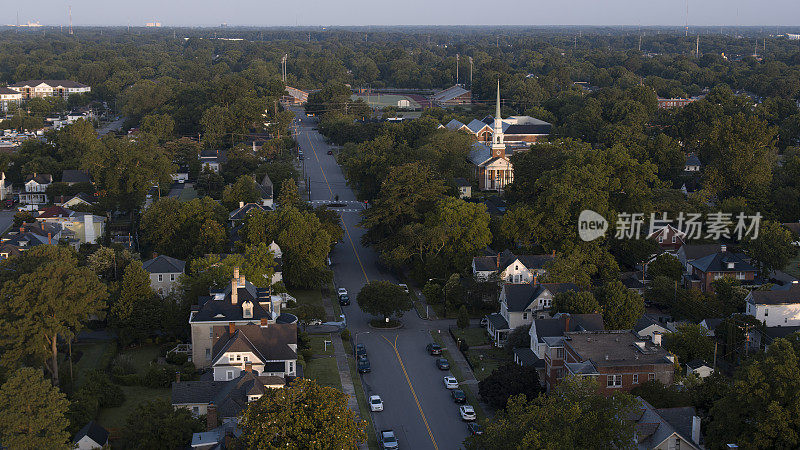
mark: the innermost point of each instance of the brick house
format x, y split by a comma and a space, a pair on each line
703, 271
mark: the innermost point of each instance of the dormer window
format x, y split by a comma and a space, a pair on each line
730, 265
247, 310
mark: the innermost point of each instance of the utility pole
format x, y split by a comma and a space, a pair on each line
456, 69
70, 20
697, 48
470, 72
686, 30
640, 42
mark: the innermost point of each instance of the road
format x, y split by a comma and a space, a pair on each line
6, 219
416, 404
111, 126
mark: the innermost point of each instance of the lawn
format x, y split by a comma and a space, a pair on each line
142, 356
793, 268
473, 335
322, 366
134, 395
307, 297
485, 360
90, 359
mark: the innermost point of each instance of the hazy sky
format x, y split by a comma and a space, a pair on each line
405, 12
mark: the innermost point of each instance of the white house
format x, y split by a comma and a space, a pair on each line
779, 307
270, 350
8, 99
5, 190
81, 227
49, 88
35, 189
164, 273
90, 437
212, 160
700, 368
649, 328
510, 267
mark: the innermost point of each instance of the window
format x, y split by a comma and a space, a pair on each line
636, 378
674, 239
172, 277
246, 358
238, 357
195, 410
229, 375
651, 377
211, 332
614, 381
766, 312
524, 316
160, 277
208, 353
660, 239
559, 353
291, 366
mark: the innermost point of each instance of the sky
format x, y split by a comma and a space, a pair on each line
405, 12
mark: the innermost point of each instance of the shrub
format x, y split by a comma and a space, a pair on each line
123, 365
100, 386
157, 377
178, 359
345, 334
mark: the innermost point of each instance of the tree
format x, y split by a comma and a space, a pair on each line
210, 183
621, 306
383, 298
259, 265
45, 302
666, 265
301, 415
156, 424
519, 337
288, 194
662, 396
307, 312
509, 380
573, 415
690, 342
432, 292
758, 410
243, 190
772, 249
185, 229
161, 126
581, 302
136, 310
32, 412
463, 317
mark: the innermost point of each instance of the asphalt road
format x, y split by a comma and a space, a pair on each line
6, 219
416, 404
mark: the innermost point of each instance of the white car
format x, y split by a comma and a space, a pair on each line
450, 382
404, 287
375, 403
341, 292
467, 413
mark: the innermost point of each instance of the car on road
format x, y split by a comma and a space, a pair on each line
458, 396
361, 350
467, 413
388, 439
363, 364
434, 348
344, 298
474, 429
404, 287
375, 403
330, 152
450, 382
301, 157
442, 364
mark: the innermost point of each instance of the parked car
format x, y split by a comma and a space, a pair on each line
474, 429
484, 321
363, 365
434, 349
404, 287
467, 413
388, 439
375, 403
442, 364
315, 322
450, 382
361, 350
330, 152
344, 298
458, 396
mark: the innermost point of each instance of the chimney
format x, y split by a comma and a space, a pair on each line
211, 416
498, 261
656, 338
554, 254
236, 272
22, 229
264, 322
88, 229
248, 366
723, 248
696, 430
566, 323
235, 289
231, 327
178, 376
241, 205
535, 276
49, 238
242, 280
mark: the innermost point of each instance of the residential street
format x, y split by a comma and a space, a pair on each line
416, 404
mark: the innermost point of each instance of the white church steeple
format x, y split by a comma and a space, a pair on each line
498, 147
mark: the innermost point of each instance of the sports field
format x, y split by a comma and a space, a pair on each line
384, 100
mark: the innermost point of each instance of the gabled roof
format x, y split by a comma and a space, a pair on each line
269, 343
455, 125
94, 431
51, 83
479, 153
55, 212
164, 264
721, 262
696, 364
498, 321
519, 296
266, 187
75, 176
40, 178
693, 160
646, 321
241, 213
449, 94
776, 296
695, 251
6, 91
654, 426
556, 326
461, 182
229, 397
476, 126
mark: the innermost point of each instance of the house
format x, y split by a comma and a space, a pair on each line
29, 235
240, 303
779, 307
164, 273
717, 265
493, 169
668, 238
212, 160
80, 200
223, 399
542, 331
648, 327
464, 188
9, 99
511, 268
238, 215
668, 103
452, 96
215, 438
520, 304
618, 360
181, 175
295, 96
83, 228
689, 252
269, 349
91, 436
456, 125
277, 254
665, 428
699, 368
5, 190
692, 164
49, 88
265, 189
35, 189
71, 177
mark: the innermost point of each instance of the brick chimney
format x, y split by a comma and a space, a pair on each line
498, 261
241, 204
211, 416
566, 323
264, 322
554, 253
49, 238
235, 286
248, 366
535, 278
231, 327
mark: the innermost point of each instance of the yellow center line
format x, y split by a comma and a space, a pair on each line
344, 225
408, 380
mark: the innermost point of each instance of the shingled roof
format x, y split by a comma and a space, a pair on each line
164, 264
776, 296
519, 296
269, 343
229, 397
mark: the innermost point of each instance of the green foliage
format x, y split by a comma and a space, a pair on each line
463, 317
303, 414
185, 229
519, 338
666, 265
32, 412
156, 424
288, 194
136, 310
581, 302
509, 380
432, 292
160, 126
243, 190
383, 298
689, 343
621, 306
772, 249
345, 335
661, 396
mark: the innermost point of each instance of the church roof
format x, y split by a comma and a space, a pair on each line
476, 126
479, 153
455, 125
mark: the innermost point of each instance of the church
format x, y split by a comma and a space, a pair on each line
493, 169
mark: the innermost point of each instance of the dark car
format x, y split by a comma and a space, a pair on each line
363, 365
442, 364
434, 349
344, 300
361, 350
474, 429
458, 396
330, 152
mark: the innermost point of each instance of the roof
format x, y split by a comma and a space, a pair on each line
711, 324
269, 343
696, 364
476, 125
781, 332
695, 251
462, 182
693, 160
266, 187
41, 178
527, 358
528, 129
7, 91
519, 296
241, 213
614, 348
557, 326
230, 397
449, 94
51, 83
55, 212
212, 309
776, 296
722, 262
164, 264
506, 258
479, 153
455, 125
75, 176
94, 431
646, 321
498, 322
654, 426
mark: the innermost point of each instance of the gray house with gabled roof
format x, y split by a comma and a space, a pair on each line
665, 428
164, 273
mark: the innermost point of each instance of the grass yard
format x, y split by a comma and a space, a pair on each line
322, 366
134, 395
485, 360
90, 359
473, 336
793, 268
142, 356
